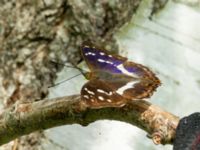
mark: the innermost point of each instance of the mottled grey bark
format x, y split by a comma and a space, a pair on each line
35, 32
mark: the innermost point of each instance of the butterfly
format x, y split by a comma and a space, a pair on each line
113, 80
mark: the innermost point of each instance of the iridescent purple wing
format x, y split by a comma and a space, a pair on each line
98, 59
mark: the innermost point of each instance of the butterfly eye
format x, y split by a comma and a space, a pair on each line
88, 75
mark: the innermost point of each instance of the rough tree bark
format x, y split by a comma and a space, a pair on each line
34, 32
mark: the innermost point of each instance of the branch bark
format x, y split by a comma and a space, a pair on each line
25, 118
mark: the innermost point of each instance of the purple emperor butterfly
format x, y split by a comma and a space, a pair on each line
113, 81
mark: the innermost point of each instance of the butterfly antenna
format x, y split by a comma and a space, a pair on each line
73, 66
64, 80
64, 65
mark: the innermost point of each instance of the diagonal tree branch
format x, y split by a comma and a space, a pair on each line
25, 118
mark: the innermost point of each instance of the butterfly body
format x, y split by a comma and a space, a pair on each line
113, 80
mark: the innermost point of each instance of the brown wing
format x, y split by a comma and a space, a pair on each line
98, 94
